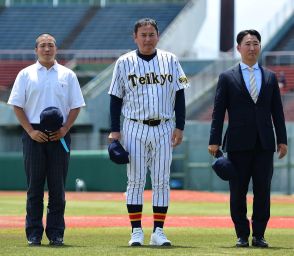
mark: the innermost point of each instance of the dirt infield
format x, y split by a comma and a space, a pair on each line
171, 221
175, 195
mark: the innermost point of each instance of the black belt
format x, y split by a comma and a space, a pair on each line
150, 122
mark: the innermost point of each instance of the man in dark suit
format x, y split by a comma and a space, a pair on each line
250, 94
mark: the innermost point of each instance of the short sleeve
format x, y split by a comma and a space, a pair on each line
116, 86
181, 79
17, 95
76, 99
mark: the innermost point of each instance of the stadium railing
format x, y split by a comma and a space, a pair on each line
66, 55
278, 58
99, 84
206, 80
102, 3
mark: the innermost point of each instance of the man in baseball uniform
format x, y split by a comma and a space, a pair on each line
148, 88
41, 88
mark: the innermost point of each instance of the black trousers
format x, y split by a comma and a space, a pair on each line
257, 165
45, 162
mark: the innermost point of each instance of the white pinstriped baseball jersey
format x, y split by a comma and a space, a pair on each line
148, 88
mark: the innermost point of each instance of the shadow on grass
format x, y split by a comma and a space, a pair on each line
271, 248
65, 246
159, 247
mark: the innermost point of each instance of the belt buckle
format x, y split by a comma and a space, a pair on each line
153, 122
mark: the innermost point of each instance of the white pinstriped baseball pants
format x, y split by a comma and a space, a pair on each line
150, 148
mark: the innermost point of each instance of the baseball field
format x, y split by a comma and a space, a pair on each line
198, 223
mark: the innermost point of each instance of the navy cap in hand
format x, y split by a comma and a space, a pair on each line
117, 153
51, 119
223, 167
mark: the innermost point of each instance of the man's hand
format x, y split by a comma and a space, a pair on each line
282, 150
114, 136
54, 136
38, 136
212, 149
177, 137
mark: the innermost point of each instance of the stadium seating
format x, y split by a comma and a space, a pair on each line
112, 26
75, 28
289, 75
288, 104
9, 69
287, 91
19, 26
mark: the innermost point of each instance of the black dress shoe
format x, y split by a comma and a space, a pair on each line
34, 241
242, 242
58, 241
259, 242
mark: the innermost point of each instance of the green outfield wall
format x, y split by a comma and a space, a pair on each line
93, 167
191, 166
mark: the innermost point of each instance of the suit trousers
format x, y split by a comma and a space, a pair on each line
45, 162
257, 165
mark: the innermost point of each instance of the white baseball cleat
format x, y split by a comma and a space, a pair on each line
159, 238
137, 237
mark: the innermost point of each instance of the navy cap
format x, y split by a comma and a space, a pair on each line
117, 153
51, 119
223, 167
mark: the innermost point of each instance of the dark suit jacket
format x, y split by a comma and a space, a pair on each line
247, 120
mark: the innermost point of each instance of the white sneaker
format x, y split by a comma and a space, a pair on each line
137, 237
159, 238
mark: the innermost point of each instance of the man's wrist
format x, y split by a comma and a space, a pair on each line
180, 127
66, 128
29, 130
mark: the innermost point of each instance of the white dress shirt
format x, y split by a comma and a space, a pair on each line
37, 88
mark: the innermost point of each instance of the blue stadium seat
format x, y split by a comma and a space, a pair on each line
19, 26
112, 26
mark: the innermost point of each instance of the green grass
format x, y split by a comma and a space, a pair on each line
15, 205
113, 241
